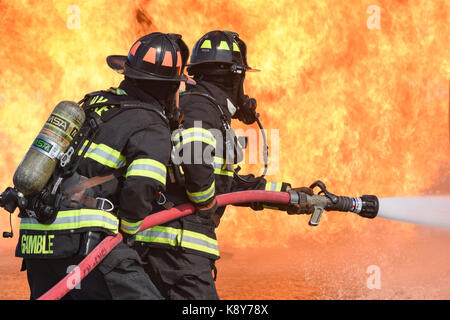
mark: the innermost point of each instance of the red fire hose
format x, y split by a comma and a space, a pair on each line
104, 247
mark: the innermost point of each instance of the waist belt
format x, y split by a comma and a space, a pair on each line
76, 195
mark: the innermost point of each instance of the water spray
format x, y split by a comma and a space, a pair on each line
429, 211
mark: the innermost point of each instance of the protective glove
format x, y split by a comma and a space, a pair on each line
206, 211
247, 110
301, 208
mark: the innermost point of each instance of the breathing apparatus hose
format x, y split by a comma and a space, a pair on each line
265, 153
107, 244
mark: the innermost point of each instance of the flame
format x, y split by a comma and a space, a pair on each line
365, 110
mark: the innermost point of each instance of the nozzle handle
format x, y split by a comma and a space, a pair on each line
315, 218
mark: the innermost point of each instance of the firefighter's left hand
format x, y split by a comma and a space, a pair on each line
302, 208
206, 211
247, 110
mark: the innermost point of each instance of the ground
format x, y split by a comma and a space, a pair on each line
415, 266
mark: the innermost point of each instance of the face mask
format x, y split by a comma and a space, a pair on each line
246, 106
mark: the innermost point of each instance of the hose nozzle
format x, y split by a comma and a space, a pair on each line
365, 206
369, 206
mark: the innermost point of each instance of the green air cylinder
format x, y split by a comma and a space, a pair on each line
53, 140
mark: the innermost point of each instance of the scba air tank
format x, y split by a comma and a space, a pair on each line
52, 142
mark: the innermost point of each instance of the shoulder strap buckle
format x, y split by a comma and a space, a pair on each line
101, 204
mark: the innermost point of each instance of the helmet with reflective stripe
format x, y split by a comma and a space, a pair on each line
221, 50
156, 56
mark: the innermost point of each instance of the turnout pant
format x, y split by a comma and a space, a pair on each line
119, 276
179, 275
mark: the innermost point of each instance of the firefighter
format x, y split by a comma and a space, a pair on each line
120, 175
180, 254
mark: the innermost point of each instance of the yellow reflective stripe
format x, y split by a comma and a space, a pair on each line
221, 168
223, 46
219, 160
74, 219
178, 237
157, 240
151, 235
272, 186
196, 139
170, 230
194, 134
147, 174
199, 236
202, 196
198, 247
236, 47
223, 172
194, 130
130, 227
206, 44
149, 162
104, 155
148, 168
120, 92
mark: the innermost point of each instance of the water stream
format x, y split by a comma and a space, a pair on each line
431, 211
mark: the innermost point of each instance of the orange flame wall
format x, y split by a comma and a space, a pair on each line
364, 109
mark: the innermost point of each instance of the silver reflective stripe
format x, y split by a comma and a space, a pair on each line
201, 242
104, 155
130, 227
178, 237
223, 169
194, 134
273, 186
202, 196
147, 167
74, 219
160, 234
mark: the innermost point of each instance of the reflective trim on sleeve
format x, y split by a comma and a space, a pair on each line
74, 219
148, 168
130, 227
104, 155
202, 196
194, 134
272, 186
221, 168
178, 237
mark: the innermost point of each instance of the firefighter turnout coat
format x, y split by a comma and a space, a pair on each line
133, 147
201, 150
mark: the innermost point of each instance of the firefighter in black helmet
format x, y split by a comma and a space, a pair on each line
181, 253
116, 177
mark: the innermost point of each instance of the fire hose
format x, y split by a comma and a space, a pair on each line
366, 206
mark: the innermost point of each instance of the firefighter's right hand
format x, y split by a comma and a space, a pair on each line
302, 207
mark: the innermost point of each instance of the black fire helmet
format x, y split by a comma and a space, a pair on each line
156, 56
220, 52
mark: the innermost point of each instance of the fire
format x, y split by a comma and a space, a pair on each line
363, 109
